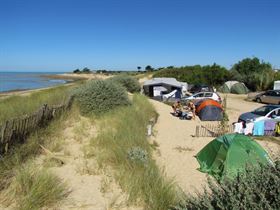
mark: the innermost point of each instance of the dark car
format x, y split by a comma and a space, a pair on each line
269, 97
262, 113
201, 88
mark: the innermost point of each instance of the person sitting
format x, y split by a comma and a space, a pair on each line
191, 107
177, 108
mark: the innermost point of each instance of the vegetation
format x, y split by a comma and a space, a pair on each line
149, 68
211, 75
29, 186
130, 83
255, 74
16, 106
100, 96
223, 125
256, 189
33, 189
83, 71
122, 144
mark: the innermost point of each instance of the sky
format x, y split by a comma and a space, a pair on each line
62, 35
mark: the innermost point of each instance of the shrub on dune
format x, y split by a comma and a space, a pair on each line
100, 96
130, 83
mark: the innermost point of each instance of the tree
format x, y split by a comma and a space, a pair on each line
255, 74
139, 68
149, 68
86, 70
76, 71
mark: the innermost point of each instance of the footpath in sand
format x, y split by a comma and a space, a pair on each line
90, 187
178, 146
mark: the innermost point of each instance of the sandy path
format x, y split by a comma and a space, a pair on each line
172, 133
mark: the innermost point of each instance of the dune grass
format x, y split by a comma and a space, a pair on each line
122, 131
34, 188
16, 106
30, 186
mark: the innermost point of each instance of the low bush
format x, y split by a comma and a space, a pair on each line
130, 83
256, 189
100, 96
138, 155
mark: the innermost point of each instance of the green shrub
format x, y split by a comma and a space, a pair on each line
256, 189
138, 155
130, 83
99, 96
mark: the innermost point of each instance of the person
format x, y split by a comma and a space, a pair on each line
191, 107
177, 108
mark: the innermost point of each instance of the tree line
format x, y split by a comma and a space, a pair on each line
255, 74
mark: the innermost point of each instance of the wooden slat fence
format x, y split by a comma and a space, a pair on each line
16, 130
212, 130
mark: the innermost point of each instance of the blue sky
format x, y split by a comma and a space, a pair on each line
61, 35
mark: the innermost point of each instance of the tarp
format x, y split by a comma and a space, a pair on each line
228, 155
209, 110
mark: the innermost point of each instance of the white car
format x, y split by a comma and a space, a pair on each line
203, 95
262, 113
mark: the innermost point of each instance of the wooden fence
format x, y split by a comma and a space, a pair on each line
16, 130
212, 130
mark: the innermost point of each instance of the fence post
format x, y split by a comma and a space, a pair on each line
197, 131
3, 131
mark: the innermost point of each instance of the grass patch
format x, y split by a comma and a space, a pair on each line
33, 189
20, 154
121, 131
16, 106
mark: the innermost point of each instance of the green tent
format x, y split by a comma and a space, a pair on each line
224, 89
227, 155
239, 88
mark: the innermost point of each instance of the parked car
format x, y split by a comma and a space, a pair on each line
262, 113
203, 95
201, 88
269, 97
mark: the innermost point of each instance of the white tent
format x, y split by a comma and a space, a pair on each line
169, 85
276, 85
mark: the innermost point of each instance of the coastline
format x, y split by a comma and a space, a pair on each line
70, 79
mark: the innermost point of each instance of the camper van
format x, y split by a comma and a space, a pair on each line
276, 85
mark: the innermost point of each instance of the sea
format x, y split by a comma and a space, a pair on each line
14, 81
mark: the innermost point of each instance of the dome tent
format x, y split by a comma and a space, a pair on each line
224, 89
209, 110
234, 87
239, 88
228, 155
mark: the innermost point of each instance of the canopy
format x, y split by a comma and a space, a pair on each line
228, 155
